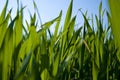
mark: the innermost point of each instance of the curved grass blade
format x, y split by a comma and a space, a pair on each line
47, 25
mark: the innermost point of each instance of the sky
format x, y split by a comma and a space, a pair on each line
50, 9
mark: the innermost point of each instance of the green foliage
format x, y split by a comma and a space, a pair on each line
115, 18
66, 54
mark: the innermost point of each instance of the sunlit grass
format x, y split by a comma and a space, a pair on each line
66, 54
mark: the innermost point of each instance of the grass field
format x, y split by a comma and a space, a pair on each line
87, 53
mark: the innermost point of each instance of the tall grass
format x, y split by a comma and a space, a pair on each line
115, 18
68, 54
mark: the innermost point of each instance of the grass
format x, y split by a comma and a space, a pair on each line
68, 54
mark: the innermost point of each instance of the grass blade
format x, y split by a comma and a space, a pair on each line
3, 29
68, 16
18, 28
115, 13
24, 66
3, 14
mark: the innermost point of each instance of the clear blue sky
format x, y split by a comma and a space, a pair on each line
50, 9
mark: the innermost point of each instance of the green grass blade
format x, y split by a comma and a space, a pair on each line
47, 25
35, 7
68, 16
57, 24
3, 29
94, 71
33, 20
56, 65
45, 75
23, 67
100, 9
18, 28
71, 28
34, 37
8, 51
3, 14
65, 28
115, 19
90, 31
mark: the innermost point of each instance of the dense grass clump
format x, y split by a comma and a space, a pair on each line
66, 54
